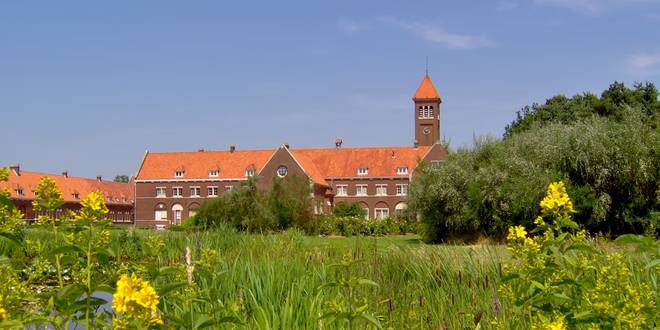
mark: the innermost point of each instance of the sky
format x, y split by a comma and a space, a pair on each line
89, 86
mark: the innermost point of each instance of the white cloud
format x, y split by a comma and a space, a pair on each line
350, 26
646, 64
507, 5
439, 35
593, 7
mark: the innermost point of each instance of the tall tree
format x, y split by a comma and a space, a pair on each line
122, 178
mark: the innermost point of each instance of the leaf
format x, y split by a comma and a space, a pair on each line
653, 263
538, 285
164, 290
364, 281
203, 321
66, 249
371, 320
12, 238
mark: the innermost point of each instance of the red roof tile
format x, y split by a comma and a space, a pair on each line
28, 181
319, 164
196, 165
426, 90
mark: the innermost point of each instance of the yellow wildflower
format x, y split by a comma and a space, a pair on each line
3, 313
136, 298
556, 199
557, 325
517, 232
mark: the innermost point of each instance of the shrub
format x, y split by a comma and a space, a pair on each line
345, 209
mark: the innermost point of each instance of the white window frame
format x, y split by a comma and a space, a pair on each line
195, 191
214, 173
212, 191
159, 190
358, 188
179, 174
362, 171
380, 188
177, 191
160, 212
402, 170
381, 213
229, 188
402, 189
250, 172
342, 190
425, 112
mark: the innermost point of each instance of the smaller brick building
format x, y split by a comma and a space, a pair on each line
119, 197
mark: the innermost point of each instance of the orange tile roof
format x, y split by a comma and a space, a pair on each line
28, 181
381, 161
319, 163
426, 90
197, 164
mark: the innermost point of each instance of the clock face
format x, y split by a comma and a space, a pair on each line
427, 130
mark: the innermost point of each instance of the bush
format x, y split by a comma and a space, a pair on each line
345, 209
611, 167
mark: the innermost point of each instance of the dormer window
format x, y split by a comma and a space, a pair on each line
19, 191
214, 173
109, 199
76, 195
178, 174
250, 171
363, 171
402, 171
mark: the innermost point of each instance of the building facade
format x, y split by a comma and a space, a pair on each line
119, 197
170, 186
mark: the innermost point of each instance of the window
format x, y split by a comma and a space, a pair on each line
213, 191
342, 190
109, 199
160, 192
19, 191
229, 188
214, 173
282, 171
402, 189
365, 210
402, 170
75, 195
250, 172
382, 213
361, 190
426, 112
363, 171
195, 191
436, 163
178, 174
381, 189
177, 192
124, 199
160, 213
177, 210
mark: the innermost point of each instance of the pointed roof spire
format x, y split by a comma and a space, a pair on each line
426, 90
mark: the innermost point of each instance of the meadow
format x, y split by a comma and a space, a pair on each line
80, 271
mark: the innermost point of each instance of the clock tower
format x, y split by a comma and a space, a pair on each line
427, 113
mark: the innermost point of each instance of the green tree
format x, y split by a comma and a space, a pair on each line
122, 178
346, 209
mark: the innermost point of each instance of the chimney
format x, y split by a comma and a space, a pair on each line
232, 147
99, 178
65, 174
16, 169
338, 142
416, 143
286, 145
393, 154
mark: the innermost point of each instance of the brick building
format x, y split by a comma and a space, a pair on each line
170, 186
119, 197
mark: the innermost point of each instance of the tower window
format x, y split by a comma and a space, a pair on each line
425, 112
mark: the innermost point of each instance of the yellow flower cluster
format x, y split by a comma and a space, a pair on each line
556, 199
3, 313
519, 242
136, 298
93, 207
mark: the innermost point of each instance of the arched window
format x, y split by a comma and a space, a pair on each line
381, 211
400, 208
192, 209
177, 211
160, 213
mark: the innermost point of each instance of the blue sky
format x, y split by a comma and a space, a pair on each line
89, 86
